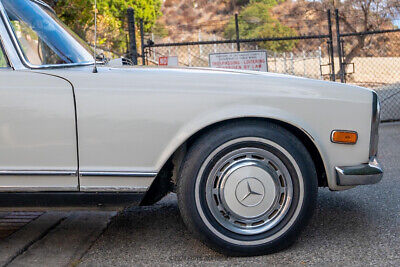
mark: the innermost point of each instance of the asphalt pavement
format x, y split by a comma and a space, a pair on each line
357, 227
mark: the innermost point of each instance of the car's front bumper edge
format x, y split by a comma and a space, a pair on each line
364, 174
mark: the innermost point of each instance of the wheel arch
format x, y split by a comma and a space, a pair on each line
166, 178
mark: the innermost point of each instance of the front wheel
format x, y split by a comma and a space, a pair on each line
247, 189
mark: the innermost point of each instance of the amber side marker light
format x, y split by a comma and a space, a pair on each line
344, 137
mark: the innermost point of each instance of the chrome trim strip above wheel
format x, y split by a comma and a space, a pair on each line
363, 174
118, 174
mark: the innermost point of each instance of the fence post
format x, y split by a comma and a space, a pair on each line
215, 45
154, 49
291, 63
169, 48
339, 47
132, 36
304, 64
200, 46
284, 62
237, 32
189, 57
142, 42
330, 47
320, 60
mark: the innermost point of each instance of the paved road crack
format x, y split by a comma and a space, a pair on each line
32, 242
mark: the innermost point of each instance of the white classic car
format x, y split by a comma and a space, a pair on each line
244, 151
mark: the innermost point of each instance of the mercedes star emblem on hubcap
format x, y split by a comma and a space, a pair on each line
250, 192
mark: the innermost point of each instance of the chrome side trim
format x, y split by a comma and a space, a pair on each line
38, 173
37, 189
105, 181
114, 189
364, 174
118, 174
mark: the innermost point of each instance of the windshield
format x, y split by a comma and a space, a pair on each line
42, 37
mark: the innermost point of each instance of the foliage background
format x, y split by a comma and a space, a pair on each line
256, 21
79, 15
182, 20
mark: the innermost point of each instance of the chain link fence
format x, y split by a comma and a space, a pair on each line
312, 63
376, 66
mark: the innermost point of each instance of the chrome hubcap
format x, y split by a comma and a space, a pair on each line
249, 191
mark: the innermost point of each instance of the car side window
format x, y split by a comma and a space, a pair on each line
3, 59
33, 46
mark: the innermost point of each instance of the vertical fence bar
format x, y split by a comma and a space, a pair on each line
237, 32
284, 62
142, 42
339, 46
275, 59
291, 63
330, 47
200, 46
320, 60
169, 48
189, 57
215, 45
304, 64
154, 49
343, 63
132, 36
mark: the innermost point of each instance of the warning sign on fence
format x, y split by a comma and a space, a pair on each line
170, 61
251, 60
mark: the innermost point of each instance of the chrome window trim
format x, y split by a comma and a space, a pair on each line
23, 63
3, 51
45, 5
8, 45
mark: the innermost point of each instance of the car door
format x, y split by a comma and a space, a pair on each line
38, 141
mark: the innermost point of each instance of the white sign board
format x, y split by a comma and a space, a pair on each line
170, 61
251, 60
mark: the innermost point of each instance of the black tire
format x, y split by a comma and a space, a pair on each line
194, 175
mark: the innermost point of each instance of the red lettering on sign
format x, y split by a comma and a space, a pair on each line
163, 61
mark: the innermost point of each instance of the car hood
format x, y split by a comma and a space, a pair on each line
208, 80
